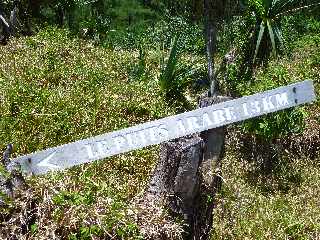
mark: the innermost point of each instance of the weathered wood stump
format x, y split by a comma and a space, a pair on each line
213, 152
187, 178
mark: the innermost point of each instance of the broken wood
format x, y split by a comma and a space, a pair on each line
210, 173
187, 177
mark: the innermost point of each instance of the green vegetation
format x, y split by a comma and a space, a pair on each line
106, 65
279, 205
269, 14
270, 190
54, 90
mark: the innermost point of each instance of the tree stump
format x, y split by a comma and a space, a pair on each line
187, 177
210, 173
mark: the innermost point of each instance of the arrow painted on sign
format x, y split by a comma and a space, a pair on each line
46, 164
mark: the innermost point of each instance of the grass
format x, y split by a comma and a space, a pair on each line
280, 204
277, 196
58, 90
55, 89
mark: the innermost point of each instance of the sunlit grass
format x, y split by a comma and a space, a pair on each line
55, 89
281, 202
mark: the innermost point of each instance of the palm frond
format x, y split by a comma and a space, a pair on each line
278, 33
280, 6
271, 34
4, 21
172, 79
167, 74
274, 10
261, 32
296, 9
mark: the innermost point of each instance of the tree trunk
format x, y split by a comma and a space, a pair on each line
187, 178
60, 16
210, 38
213, 152
5, 28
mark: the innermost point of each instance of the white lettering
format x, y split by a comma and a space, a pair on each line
91, 155
129, 137
282, 99
245, 109
255, 107
97, 149
267, 104
136, 138
230, 114
218, 116
193, 123
206, 120
102, 147
119, 142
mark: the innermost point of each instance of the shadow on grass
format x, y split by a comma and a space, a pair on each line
268, 166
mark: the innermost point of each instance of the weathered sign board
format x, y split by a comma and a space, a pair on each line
165, 129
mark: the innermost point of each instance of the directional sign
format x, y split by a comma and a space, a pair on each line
165, 129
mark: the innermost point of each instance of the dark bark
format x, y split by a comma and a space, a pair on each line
176, 172
11, 178
18, 22
210, 38
197, 8
187, 177
213, 13
4, 36
35, 7
60, 16
210, 173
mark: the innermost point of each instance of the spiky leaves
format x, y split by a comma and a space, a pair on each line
172, 78
270, 16
261, 33
271, 34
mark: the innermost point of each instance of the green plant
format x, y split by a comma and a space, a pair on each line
277, 125
86, 92
173, 78
138, 71
3, 172
269, 13
34, 228
73, 198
